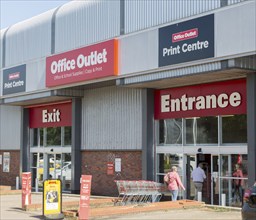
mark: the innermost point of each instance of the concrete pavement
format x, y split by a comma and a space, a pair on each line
10, 208
185, 214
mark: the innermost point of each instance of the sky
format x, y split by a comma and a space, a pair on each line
14, 11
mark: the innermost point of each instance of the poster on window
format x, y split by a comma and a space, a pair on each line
117, 164
6, 162
110, 168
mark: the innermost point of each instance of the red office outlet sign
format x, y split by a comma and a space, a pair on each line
221, 98
50, 115
87, 63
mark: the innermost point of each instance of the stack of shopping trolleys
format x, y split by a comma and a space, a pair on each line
137, 191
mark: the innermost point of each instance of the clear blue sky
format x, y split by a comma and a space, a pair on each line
14, 11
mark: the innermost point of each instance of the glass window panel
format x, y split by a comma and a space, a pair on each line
170, 131
67, 136
66, 171
161, 132
54, 136
166, 161
202, 130
234, 169
38, 134
234, 129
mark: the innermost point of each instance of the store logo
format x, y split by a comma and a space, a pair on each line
53, 116
185, 35
86, 63
186, 103
81, 61
14, 76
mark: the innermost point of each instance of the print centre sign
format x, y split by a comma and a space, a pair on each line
186, 41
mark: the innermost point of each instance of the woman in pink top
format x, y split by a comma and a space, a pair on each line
238, 183
174, 183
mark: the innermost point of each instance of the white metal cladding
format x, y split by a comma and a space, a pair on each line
80, 23
10, 127
188, 70
1, 84
30, 39
1, 46
142, 14
240, 36
35, 75
139, 52
112, 119
231, 2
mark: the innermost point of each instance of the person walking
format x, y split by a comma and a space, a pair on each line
198, 177
174, 183
238, 183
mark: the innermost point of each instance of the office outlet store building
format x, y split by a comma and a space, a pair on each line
127, 89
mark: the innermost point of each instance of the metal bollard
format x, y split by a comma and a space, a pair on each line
17, 182
199, 196
223, 199
36, 184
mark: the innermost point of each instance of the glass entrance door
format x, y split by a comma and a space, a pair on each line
54, 164
233, 179
215, 180
192, 163
60, 168
190, 166
51, 166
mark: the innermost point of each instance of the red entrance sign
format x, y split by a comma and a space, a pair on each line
87, 63
26, 189
85, 192
220, 98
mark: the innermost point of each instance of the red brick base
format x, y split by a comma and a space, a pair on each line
95, 163
9, 179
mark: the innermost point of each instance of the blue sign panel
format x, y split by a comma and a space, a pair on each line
186, 41
14, 80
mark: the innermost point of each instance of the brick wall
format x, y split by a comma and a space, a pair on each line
95, 163
9, 178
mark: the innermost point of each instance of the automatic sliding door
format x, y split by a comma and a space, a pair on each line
214, 180
191, 165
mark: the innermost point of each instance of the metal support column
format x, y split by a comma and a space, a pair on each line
24, 153
251, 127
76, 144
148, 134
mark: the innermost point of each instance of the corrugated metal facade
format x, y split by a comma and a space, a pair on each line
189, 70
2, 32
81, 23
112, 119
145, 14
10, 118
29, 40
